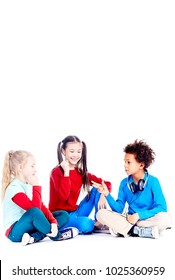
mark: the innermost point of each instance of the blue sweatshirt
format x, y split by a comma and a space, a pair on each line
146, 203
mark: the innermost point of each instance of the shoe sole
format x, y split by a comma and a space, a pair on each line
156, 232
25, 239
112, 232
73, 232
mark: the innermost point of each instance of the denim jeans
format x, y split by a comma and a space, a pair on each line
79, 218
36, 224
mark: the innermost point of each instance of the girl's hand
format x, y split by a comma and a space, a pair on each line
102, 188
102, 202
65, 165
33, 180
54, 230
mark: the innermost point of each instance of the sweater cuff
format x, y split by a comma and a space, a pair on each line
37, 188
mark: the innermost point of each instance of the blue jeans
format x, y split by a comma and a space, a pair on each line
36, 224
79, 218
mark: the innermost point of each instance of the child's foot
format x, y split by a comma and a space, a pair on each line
68, 233
115, 234
27, 239
99, 228
149, 232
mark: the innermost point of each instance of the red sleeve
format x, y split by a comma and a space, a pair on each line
22, 200
60, 183
48, 214
37, 199
99, 181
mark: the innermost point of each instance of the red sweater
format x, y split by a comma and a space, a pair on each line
64, 191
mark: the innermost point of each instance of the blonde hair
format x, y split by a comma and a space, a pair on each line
12, 159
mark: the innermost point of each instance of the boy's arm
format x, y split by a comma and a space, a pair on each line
159, 202
116, 205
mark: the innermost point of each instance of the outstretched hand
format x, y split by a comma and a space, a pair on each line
102, 188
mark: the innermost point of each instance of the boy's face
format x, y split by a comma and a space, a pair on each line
132, 166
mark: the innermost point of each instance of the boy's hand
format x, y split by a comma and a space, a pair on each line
102, 188
133, 219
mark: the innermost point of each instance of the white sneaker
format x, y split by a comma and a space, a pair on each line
27, 239
68, 233
149, 232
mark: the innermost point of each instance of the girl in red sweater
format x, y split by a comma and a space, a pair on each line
66, 182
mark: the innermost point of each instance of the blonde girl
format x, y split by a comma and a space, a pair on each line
26, 218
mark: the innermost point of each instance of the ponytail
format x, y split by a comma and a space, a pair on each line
11, 161
7, 177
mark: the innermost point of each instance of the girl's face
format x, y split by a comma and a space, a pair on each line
28, 169
133, 167
73, 153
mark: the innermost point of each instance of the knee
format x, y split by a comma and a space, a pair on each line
93, 193
165, 220
100, 214
65, 215
62, 214
162, 220
34, 210
62, 217
86, 226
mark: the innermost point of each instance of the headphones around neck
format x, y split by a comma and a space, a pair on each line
134, 188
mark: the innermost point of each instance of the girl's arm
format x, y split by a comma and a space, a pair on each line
22, 200
60, 183
95, 179
48, 214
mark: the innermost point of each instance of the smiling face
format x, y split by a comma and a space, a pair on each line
73, 153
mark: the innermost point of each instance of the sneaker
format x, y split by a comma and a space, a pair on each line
101, 229
68, 233
115, 234
27, 239
148, 232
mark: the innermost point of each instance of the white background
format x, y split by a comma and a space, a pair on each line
101, 70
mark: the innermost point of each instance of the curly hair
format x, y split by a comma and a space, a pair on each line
142, 152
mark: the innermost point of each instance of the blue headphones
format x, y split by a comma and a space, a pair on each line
134, 188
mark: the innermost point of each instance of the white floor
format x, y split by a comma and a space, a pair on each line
95, 251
